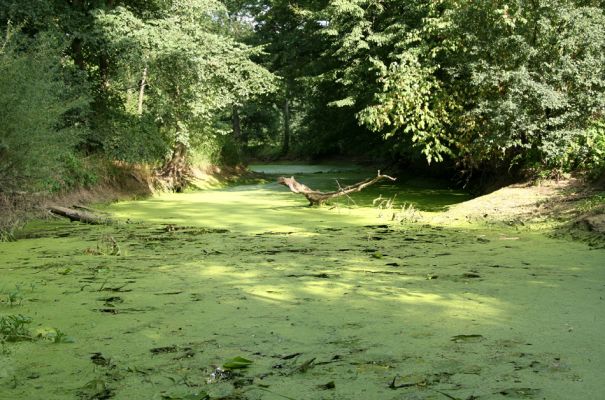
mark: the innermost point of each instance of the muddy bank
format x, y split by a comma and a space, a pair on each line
331, 303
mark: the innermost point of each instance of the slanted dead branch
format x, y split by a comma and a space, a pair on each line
317, 198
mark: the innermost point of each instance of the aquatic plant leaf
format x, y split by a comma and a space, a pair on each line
99, 359
237, 363
13, 328
96, 389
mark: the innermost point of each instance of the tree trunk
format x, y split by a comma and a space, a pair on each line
142, 91
237, 126
317, 198
175, 171
286, 140
82, 216
104, 71
76, 49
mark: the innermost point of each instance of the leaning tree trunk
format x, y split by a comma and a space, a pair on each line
175, 172
317, 198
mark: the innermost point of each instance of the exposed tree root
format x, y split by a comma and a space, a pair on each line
317, 198
176, 172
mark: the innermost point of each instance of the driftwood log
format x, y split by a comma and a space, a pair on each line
317, 198
77, 215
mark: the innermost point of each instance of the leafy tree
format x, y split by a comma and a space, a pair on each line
42, 102
286, 29
194, 71
497, 82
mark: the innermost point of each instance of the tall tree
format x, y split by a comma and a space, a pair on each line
286, 29
195, 71
497, 83
41, 107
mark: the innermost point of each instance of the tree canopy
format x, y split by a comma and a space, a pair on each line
493, 85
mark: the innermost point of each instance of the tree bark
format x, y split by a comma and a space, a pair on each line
142, 91
286, 140
77, 54
236, 125
175, 171
317, 198
82, 216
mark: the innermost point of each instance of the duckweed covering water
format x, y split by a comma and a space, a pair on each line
330, 303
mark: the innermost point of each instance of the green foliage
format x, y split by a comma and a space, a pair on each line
487, 84
589, 151
40, 112
58, 336
528, 79
195, 72
497, 84
130, 138
411, 101
230, 152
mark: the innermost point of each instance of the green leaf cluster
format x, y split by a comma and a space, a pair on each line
493, 84
42, 107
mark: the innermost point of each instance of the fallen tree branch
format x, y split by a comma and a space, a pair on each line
317, 198
82, 216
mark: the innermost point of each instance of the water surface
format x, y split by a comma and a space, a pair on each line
339, 302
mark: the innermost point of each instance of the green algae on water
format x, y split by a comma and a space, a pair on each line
250, 273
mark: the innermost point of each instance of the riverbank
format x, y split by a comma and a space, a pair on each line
571, 207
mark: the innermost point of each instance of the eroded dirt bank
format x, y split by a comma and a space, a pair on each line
325, 303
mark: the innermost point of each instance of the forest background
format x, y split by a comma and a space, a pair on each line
485, 88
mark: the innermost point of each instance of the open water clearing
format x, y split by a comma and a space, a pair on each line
339, 302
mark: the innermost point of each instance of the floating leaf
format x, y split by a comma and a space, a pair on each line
166, 349
237, 363
99, 359
197, 396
